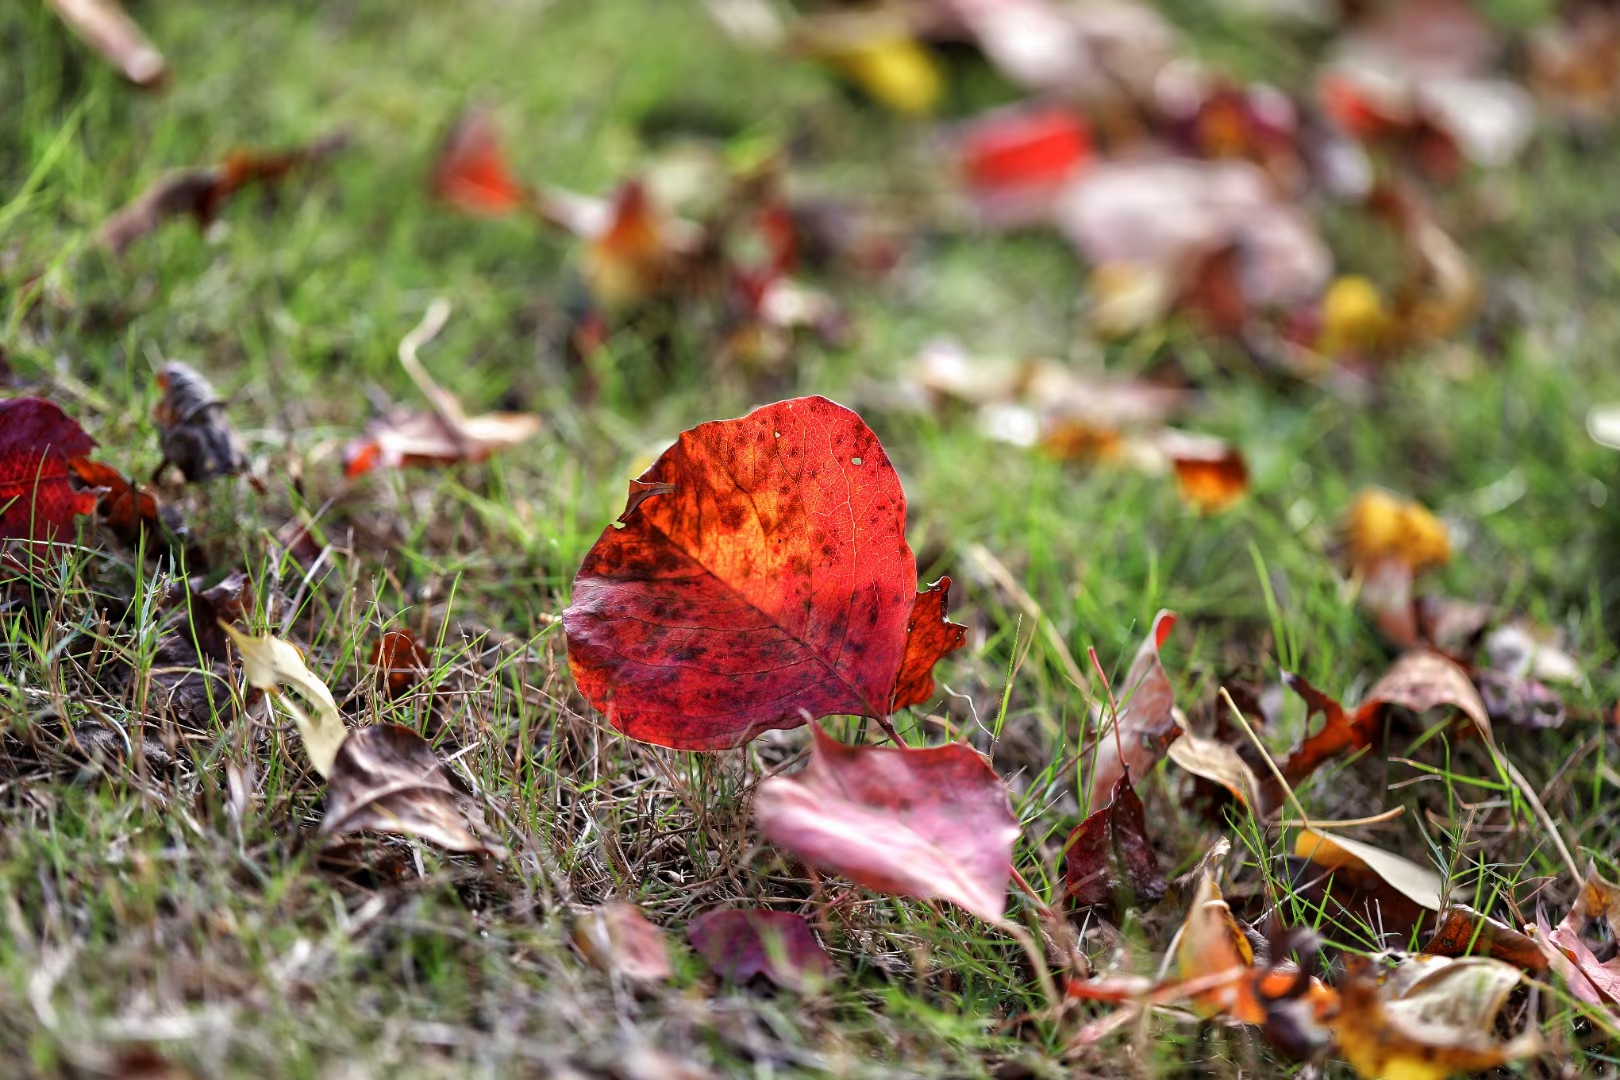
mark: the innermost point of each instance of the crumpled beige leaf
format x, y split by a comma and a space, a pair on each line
386, 778
269, 663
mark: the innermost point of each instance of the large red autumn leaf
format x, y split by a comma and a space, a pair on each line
760, 578
925, 823
37, 501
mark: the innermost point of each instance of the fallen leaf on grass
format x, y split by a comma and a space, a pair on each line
107, 28
203, 192
122, 507
1598, 904
1418, 884
1462, 931
269, 662
38, 503
1210, 473
740, 944
1110, 852
1146, 722
195, 436
923, 823
1016, 161
760, 578
386, 778
1219, 763
399, 660
1428, 1018
471, 172
1390, 541
618, 939
446, 435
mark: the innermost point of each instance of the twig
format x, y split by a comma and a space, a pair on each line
1344, 823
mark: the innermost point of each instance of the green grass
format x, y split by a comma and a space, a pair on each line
187, 908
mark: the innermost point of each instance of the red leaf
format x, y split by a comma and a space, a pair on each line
924, 823
739, 944
929, 636
471, 173
124, 508
761, 579
1147, 724
37, 502
1115, 836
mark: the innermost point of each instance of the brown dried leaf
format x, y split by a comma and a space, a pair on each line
1462, 931
386, 778
1147, 722
1216, 761
1110, 851
194, 434
1417, 883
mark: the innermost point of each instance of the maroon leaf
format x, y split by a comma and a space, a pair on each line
37, 501
739, 944
1110, 850
924, 823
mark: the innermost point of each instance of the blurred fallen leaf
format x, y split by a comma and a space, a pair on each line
195, 436
740, 944
924, 823
38, 503
1146, 722
1016, 161
1211, 473
386, 778
617, 938
107, 28
399, 660
203, 192
446, 435
268, 662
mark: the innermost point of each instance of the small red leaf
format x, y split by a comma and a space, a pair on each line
929, 636
739, 944
37, 501
761, 578
400, 661
1147, 722
924, 823
471, 173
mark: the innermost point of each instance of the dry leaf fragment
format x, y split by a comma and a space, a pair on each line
1597, 906
400, 661
122, 506
739, 944
268, 662
203, 192
446, 435
1462, 931
1110, 851
1147, 723
1390, 541
1417, 883
38, 503
194, 434
1217, 762
924, 823
386, 778
107, 28
618, 939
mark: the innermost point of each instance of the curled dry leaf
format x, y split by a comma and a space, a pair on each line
740, 944
107, 28
1110, 851
203, 192
195, 436
268, 663
761, 578
618, 939
1418, 884
1597, 906
923, 823
38, 503
446, 435
386, 778
1219, 763
1390, 540
1146, 721
1429, 1018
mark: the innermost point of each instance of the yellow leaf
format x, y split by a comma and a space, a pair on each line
1417, 883
895, 71
1383, 526
1354, 318
269, 663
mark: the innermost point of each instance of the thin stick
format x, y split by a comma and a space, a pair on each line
1237, 714
1113, 706
1344, 823
1040, 905
445, 406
